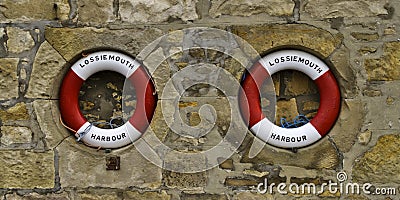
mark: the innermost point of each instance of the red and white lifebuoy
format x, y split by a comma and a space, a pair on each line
307, 134
145, 105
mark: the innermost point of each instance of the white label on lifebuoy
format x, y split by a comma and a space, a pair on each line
285, 137
294, 60
109, 138
105, 60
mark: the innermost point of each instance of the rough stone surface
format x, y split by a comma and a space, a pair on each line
8, 78
32, 10
145, 11
247, 8
348, 124
15, 135
135, 195
71, 42
27, 170
204, 197
381, 163
42, 81
286, 109
321, 155
185, 181
50, 126
345, 8
19, 40
73, 158
368, 37
252, 196
36, 196
17, 112
299, 84
386, 67
98, 195
265, 37
95, 12
344, 72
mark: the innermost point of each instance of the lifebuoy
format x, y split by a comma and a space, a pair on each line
307, 134
132, 70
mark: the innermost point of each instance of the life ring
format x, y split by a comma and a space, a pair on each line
312, 131
145, 105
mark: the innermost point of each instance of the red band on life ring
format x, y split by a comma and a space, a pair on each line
307, 134
137, 123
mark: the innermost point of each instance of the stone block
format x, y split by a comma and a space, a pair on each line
386, 67
381, 163
286, 109
135, 195
348, 124
33, 10
344, 72
17, 112
48, 117
71, 42
36, 196
97, 195
320, 155
185, 181
15, 135
147, 11
8, 78
265, 37
26, 170
299, 84
19, 40
248, 8
96, 12
83, 167
204, 197
45, 73
345, 8
365, 37
252, 196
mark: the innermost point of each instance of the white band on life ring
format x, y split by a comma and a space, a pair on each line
132, 70
307, 134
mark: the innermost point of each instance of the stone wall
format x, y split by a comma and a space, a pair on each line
40, 39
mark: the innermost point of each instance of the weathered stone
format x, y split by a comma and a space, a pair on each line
310, 106
204, 197
15, 135
299, 84
365, 137
8, 78
381, 164
48, 117
386, 67
380, 115
145, 11
98, 195
367, 50
135, 195
252, 196
389, 31
248, 8
286, 109
348, 124
31, 10
42, 81
95, 12
185, 181
240, 182
368, 37
17, 112
135, 170
70, 42
265, 37
345, 8
194, 118
227, 164
321, 155
19, 40
344, 73
26, 170
36, 196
